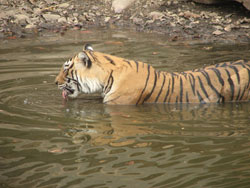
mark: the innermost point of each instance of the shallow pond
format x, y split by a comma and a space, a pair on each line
47, 142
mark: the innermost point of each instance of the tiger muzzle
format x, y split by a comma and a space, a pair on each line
66, 91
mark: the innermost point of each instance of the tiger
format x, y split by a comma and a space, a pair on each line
129, 82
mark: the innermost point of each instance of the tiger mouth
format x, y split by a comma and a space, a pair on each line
67, 92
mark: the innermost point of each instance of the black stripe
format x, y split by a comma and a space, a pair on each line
127, 62
224, 64
146, 83
66, 68
74, 78
69, 89
172, 82
176, 100
168, 91
248, 71
181, 89
149, 95
245, 88
110, 60
238, 78
185, 74
192, 84
230, 81
71, 65
200, 98
237, 73
72, 74
89, 63
187, 99
91, 53
203, 88
238, 95
109, 85
163, 83
137, 66
240, 63
159, 74
77, 81
206, 75
68, 79
218, 74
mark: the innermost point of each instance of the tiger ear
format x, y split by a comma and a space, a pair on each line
85, 59
88, 47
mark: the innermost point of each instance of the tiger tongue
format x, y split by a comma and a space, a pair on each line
64, 94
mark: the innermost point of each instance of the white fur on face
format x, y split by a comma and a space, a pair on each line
78, 83
85, 85
75, 93
90, 85
67, 64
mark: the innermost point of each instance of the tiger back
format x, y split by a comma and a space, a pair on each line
122, 81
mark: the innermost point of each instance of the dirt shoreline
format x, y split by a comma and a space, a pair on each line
178, 20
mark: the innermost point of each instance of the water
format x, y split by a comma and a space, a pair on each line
47, 142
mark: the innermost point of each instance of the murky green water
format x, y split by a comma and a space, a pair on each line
46, 142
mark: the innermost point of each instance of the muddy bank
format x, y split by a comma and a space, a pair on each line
179, 20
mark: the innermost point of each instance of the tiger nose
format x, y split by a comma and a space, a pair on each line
56, 82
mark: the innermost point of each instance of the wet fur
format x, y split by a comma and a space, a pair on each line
130, 82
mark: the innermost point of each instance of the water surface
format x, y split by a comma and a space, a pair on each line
48, 142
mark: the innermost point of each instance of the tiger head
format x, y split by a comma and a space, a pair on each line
83, 73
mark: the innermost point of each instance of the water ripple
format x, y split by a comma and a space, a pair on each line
47, 142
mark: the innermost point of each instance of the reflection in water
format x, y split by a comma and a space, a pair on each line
47, 142
119, 122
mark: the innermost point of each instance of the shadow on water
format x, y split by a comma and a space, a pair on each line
48, 142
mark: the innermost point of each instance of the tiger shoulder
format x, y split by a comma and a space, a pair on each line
122, 81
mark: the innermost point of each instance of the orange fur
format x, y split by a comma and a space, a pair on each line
130, 82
